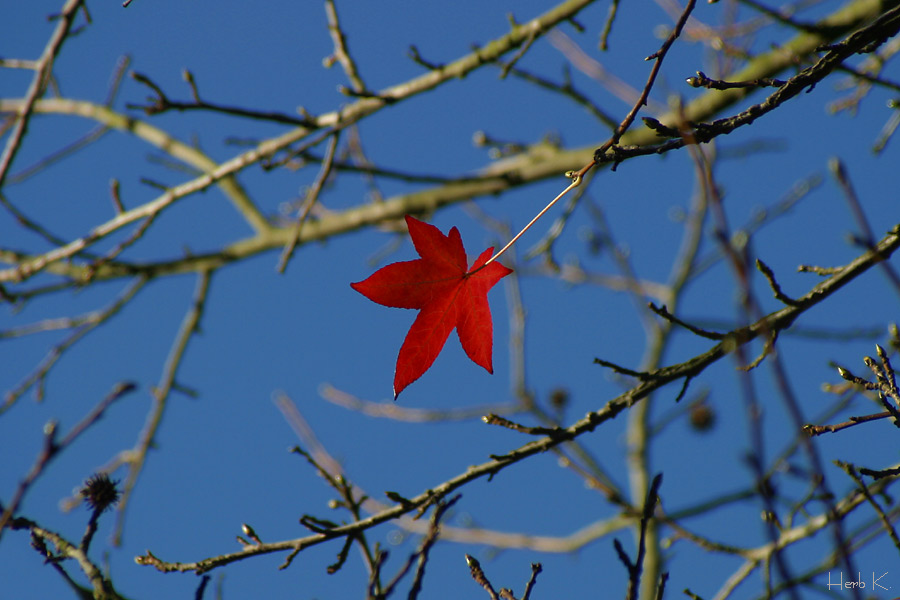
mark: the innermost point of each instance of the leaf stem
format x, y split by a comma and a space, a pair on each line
576, 177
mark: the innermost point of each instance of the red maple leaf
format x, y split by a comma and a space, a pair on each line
448, 294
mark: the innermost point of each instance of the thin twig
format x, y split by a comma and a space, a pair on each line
663, 312
40, 373
607, 25
770, 277
839, 171
43, 69
341, 54
138, 455
814, 430
161, 103
311, 197
701, 80
864, 489
479, 576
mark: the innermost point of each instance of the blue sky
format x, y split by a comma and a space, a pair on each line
221, 458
